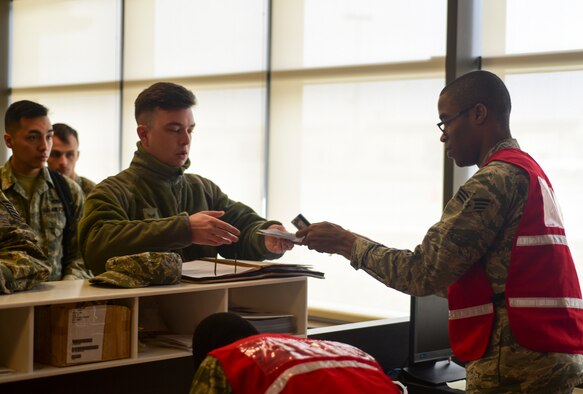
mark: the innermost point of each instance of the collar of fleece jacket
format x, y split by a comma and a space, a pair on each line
143, 161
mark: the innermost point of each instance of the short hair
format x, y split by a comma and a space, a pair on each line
163, 95
22, 109
64, 132
481, 87
218, 330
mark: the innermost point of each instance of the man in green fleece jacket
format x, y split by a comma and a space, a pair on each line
155, 206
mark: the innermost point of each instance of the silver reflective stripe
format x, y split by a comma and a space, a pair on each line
479, 310
279, 384
546, 302
537, 240
401, 387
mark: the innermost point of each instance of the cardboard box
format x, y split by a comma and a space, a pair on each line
79, 333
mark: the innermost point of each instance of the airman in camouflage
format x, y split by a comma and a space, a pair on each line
210, 378
65, 153
26, 182
22, 262
478, 224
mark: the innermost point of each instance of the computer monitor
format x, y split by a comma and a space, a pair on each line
429, 348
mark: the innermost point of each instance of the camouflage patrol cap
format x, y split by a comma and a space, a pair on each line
20, 271
140, 270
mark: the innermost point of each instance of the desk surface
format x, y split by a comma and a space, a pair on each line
421, 388
17, 314
452, 387
65, 291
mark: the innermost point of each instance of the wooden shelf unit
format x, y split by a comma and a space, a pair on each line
182, 307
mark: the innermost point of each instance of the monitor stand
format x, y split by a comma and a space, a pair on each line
437, 372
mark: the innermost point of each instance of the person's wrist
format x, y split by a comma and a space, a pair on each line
347, 243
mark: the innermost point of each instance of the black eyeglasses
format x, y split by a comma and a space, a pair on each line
441, 125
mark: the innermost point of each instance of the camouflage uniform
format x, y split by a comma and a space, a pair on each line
210, 378
478, 224
146, 208
87, 185
45, 214
22, 262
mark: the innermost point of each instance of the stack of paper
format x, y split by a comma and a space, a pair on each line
178, 341
223, 270
267, 322
4, 370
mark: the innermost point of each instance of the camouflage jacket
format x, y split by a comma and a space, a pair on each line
22, 262
210, 378
478, 224
145, 208
45, 214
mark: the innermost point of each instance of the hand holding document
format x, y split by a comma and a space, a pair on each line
280, 234
299, 221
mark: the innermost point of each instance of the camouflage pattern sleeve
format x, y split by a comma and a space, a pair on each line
210, 378
15, 234
20, 271
22, 262
466, 233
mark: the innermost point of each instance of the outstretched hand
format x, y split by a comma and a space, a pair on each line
327, 237
277, 245
207, 229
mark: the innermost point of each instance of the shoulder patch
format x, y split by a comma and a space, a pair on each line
462, 196
479, 204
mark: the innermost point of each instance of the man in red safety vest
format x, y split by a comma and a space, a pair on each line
276, 363
499, 251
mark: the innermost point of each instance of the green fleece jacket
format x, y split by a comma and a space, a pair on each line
146, 208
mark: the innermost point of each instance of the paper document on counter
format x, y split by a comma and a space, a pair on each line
225, 270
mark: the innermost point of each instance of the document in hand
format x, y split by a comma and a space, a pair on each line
224, 270
280, 234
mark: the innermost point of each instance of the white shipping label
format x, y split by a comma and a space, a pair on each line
85, 334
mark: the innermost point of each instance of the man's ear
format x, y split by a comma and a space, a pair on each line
143, 133
481, 113
8, 140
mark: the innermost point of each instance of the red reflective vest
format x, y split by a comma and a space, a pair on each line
272, 363
543, 296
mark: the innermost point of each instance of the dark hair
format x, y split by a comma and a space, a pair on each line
22, 109
218, 330
64, 132
481, 87
163, 95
